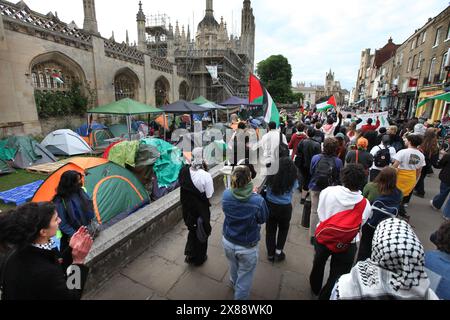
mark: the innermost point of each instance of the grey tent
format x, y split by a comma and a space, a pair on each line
5, 168
29, 152
183, 106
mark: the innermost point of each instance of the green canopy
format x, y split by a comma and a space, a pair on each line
125, 107
203, 102
442, 96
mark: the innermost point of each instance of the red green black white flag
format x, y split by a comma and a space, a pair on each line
258, 94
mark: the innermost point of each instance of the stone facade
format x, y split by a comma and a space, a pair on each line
385, 84
212, 45
29, 39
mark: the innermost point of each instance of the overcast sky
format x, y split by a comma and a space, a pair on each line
315, 35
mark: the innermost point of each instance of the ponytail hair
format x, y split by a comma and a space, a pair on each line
21, 227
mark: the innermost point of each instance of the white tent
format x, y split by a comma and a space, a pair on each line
65, 142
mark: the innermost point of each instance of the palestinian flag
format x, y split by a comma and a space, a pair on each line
258, 94
57, 76
325, 104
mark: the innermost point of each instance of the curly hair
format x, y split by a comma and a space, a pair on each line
241, 177
21, 226
330, 147
443, 237
285, 178
353, 176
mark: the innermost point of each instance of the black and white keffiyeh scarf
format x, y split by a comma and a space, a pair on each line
46, 246
395, 269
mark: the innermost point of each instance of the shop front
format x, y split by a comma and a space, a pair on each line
433, 110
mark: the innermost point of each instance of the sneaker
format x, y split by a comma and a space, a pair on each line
280, 257
432, 206
405, 205
271, 258
302, 201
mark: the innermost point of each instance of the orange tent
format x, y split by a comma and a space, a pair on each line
48, 189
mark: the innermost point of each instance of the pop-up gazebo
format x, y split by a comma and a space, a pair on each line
126, 107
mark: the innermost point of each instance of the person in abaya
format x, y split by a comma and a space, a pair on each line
196, 189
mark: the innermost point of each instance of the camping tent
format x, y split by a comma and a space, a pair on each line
24, 152
5, 168
114, 190
65, 142
126, 107
120, 130
96, 135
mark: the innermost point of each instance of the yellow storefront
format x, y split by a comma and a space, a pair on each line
432, 110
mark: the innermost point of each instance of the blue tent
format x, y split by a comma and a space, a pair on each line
83, 130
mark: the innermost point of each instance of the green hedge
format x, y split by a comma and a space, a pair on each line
57, 104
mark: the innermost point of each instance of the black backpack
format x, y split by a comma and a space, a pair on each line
326, 172
382, 158
284, 149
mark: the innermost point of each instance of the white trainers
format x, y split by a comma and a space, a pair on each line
432, 206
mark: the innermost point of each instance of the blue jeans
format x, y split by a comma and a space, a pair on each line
439, 200
242, 263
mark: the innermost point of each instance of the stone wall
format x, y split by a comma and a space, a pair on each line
19, 49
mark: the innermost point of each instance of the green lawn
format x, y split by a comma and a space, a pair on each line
16, 179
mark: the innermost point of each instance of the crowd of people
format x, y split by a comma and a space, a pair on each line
358, 178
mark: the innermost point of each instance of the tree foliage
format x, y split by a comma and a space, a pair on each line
60, 103
276, 74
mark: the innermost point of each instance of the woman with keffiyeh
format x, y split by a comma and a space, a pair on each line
395, 270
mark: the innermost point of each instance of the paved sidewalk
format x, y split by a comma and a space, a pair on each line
160, 272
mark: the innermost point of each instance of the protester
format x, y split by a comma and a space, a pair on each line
385, 198
270, 144
438, 202
361, 156
331, 126
280, 188
383, 156
197, 188
351, 133
430, 150
319, 136
306, 150
369, 127
244, 212
437, 262
342, 148
290, 130
396, 141
339, 208
325, 171
74, 207
34, 269
395, 270
297, 137
240, 146
409, 163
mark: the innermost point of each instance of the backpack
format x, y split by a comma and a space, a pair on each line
283, 149
326, 172
338, 232
382, 158
381, 212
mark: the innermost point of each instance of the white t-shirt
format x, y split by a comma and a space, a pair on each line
410, 159
378, 148
203, 181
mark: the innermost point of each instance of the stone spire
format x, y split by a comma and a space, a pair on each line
112, 37
248, 31
90, 18
209, 7
177, 32
127, 40
188, 36
140, 19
